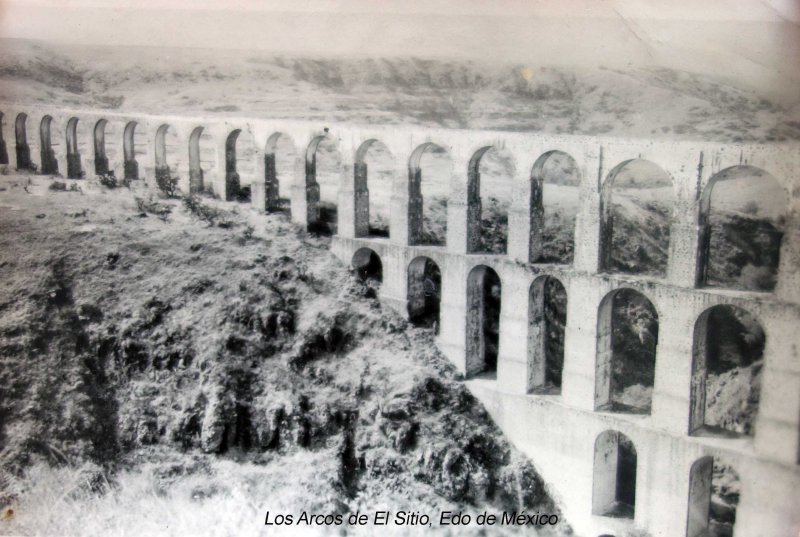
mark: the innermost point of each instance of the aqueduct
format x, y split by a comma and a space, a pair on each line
611, 470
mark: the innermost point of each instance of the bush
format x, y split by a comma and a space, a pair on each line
166, 182
201, 210
110, 181
152, 206
58, 186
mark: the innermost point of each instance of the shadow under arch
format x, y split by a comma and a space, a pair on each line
22, 150
560, 170
484, 294
46, 152
3, 148
547, 321
642, 244
714, 491
418, 215
424, 292
195, 166
74, 166
479, 229
321, 216
727, 339
130, 165
100, 157
367, 264
366, 198
233, 186
750, 242
275, 169
625, 361
614, 476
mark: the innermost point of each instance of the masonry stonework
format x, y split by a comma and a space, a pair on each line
558, 431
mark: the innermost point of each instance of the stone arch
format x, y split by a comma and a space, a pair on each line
627, 340
131, 165
714, 490
553, 207
233, 187
424, 292
74, 167
699, 497
741, 220
635, 224
727, 340
46, 151
372, 205
427, 200
484, 293
322, 182
614, 478
3, 148
547, 321
100, 156
279, 161
23, 151
166, 154
484, 212
367, 265
195, 164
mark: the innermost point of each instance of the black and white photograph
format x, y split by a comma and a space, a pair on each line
400, 267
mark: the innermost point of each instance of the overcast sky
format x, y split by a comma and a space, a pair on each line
756, 42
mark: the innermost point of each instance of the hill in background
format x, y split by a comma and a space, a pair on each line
645, 102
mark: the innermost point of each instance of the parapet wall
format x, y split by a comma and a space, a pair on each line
558, 432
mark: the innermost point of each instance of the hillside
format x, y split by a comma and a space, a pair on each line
167, 357
651, 102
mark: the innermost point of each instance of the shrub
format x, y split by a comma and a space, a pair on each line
201, 210
152, 206
166, 182
58, 186
110, 181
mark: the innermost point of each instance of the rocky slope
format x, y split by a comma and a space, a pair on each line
162, 341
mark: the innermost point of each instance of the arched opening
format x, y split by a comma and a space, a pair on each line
131, 165
714, 489
100, 157
367, 265
74, 166
167, 156
427, 199
483, 320
727, 360
489, 180
614, 480
742, 214
627, 337
636, 211
22, 150
46, 151
372, 188
555, 198
239, 166
195, 164
202, 160
547, 322
279, 167
424, 292
323, 177
3, 149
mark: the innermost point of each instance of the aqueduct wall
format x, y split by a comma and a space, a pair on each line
558, 432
